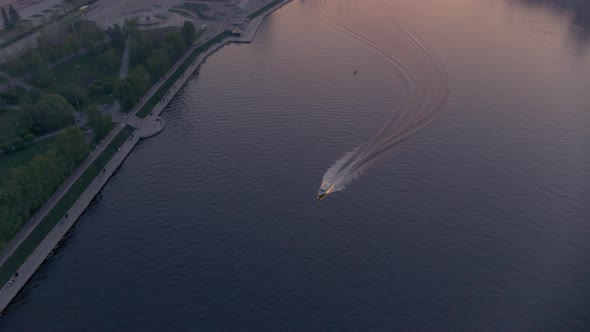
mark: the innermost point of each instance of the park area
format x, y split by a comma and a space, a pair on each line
61, 104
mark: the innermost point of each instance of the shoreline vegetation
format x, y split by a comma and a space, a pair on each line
9, 268
156, 97
68, 93
160, 62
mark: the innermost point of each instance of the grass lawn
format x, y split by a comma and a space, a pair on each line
22, 157
59, 210
7, 129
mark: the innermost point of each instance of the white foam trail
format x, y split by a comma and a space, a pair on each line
427, 83
334, 174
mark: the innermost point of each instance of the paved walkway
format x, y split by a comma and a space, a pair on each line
47, 136
9, 291
125, 60
31, 224
151, 126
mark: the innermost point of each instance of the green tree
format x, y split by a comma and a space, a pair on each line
177, 42
75, 95
116, 37
47, 48
6, 19
133, 87
130, 28
141, 46
90, 34
29, 137
51, 112
17, 143
72, 147
139, 78
31, 185
127, 95
95, 88
14, 66
100, 123
35, 95
13, 14
22, 94
158, 63
36, 65
188, 32
44, 76
6, 147
109, 59
9, 96
108, 87
32, 61
71, 44
99, 88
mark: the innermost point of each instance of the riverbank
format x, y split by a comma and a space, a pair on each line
125, 137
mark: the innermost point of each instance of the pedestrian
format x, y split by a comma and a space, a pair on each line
66, 216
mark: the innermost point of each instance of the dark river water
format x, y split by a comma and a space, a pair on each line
477, 220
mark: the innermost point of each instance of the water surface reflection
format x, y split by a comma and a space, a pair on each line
578, 12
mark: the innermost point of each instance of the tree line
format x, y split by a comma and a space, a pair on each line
53, 45
31, 185
151, 56
48, 113
10, 18
53, 112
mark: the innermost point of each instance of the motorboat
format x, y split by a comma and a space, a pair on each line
325, 189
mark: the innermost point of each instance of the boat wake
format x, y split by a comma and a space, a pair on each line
423, 74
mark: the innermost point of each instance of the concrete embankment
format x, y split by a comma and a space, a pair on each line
149, 126
250, 31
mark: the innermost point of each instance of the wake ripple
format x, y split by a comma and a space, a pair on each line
422, 72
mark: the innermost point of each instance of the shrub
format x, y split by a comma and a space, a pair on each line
17, 143
35, 94
9, 96
6, 147
29, 137
20, 131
